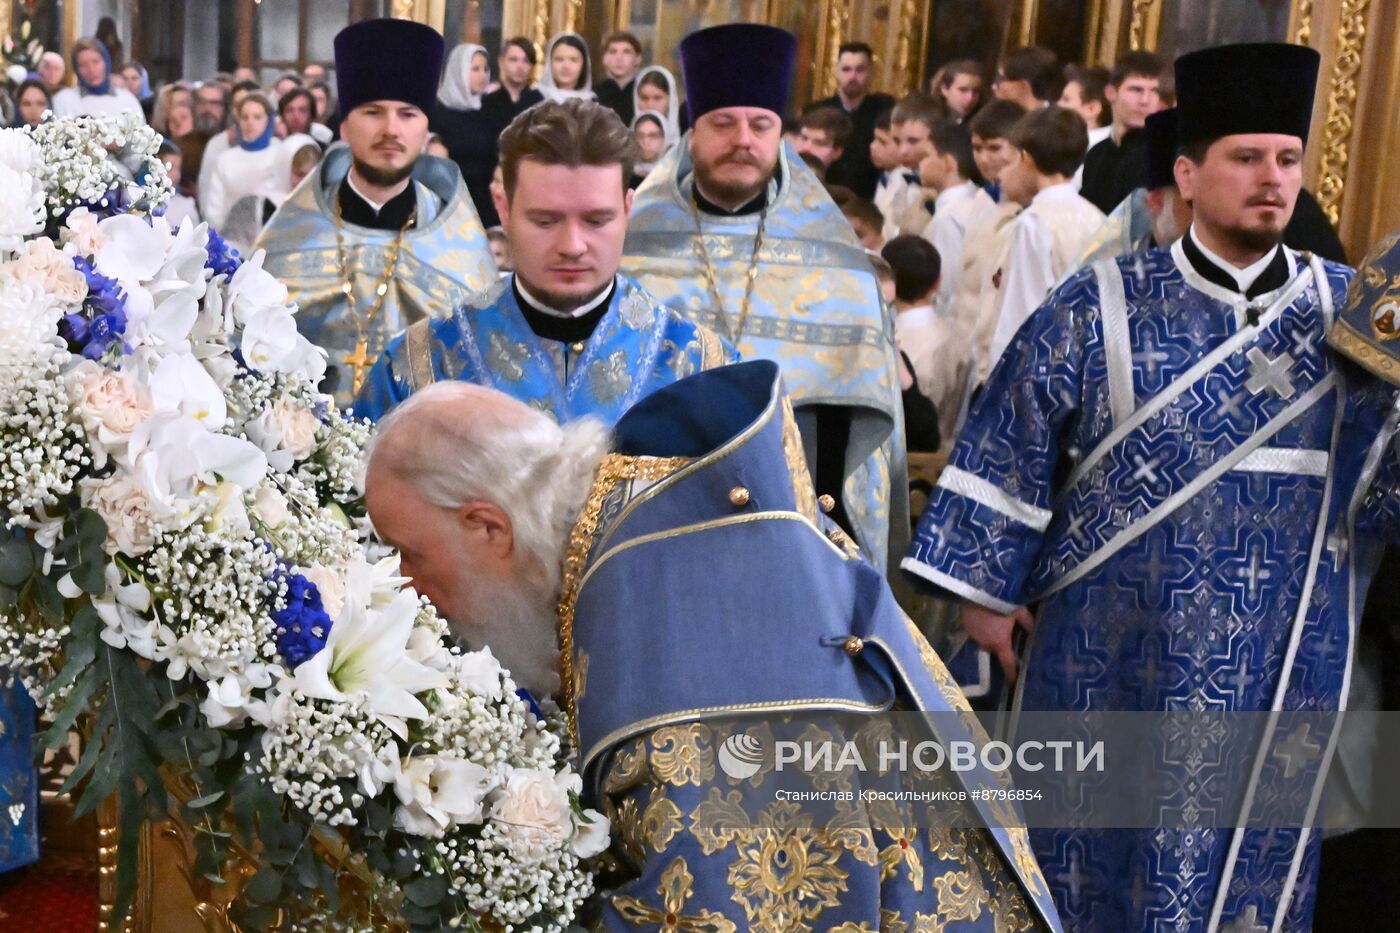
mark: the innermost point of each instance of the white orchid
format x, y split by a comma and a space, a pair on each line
181, 384
226, 703
366, 653
251, 289
122, 609
176, 458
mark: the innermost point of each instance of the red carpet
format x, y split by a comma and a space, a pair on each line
35, 901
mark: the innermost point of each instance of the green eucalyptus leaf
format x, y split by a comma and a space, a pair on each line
205, 800
264, 886
42, 593
90, 575
16, 560
427, 891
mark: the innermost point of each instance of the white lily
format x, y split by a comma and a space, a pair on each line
366, 653
438, 793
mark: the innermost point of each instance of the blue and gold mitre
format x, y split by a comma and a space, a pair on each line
1369, 329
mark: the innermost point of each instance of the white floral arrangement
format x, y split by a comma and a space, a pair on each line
186, 569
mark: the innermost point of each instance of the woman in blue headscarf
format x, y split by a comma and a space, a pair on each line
94, 94
251, 166
138, 82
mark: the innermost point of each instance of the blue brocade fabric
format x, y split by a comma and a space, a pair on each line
444, 260
1194, 505
813, 307
697, 614
19, 780
637, 347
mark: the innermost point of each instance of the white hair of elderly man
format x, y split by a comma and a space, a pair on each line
456, 442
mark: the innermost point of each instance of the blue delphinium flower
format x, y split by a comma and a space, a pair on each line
303, 625
102, 321
223, 258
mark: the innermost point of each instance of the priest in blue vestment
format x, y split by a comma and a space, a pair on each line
379, 235
565, 332
675, 585
735, 232
1189, 490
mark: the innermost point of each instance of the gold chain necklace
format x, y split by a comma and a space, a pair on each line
360, 359
734, 333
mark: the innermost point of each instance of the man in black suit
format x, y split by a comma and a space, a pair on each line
853, 73
622, 59
515, 95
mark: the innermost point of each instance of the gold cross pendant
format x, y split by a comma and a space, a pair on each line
359, 361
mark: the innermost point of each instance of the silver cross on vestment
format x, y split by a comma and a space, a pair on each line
1272, 374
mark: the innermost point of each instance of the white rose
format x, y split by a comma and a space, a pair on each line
297, 425
125, 508
590, 834
286, 432
270, 507
534, 809
42, 265
329, 585
111, 406
480, 672
82, 231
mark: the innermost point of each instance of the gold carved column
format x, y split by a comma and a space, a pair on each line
431, 12
1355, 133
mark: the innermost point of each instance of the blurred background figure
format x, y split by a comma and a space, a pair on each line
568, 73
464, 128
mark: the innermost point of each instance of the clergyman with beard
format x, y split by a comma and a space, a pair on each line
734, 231
380, 235
669, 586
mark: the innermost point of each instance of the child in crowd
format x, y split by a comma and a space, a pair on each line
181, 208
866, 220
921, 433
947, 170
929, 341
1055, 224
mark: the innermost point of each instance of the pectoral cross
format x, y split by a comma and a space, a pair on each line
359, 361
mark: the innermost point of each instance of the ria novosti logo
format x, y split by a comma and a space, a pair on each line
740, 756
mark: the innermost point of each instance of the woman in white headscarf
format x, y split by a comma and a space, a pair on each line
568, 69
655, 90
296, 157
464, 130
654, 138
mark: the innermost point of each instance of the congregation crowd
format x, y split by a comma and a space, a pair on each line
1139, 450
973, 197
